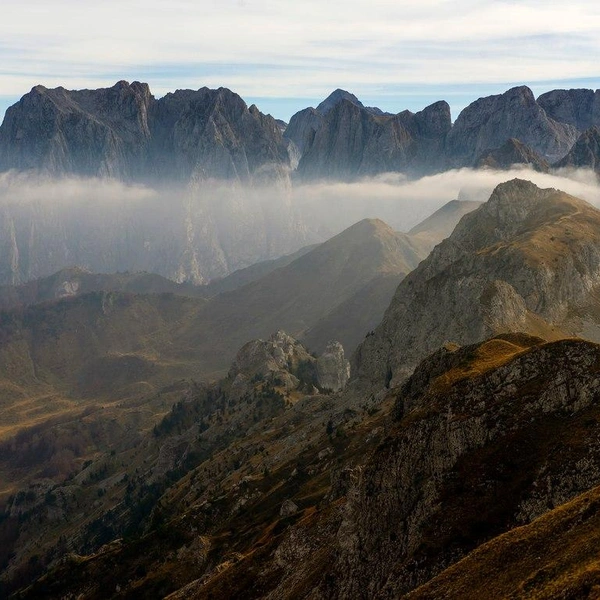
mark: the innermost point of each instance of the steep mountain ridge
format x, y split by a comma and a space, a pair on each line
308, 290
549, 558
577, 107
463, 466
187, 135
482, 439
526, 260
585, 153
352, 142
490, 121
124, 132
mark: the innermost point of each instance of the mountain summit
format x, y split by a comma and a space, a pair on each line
124, 132
526, 260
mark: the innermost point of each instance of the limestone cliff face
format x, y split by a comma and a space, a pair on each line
193, 234
124, 132
512, 152
304, 124
353, 142
577, 107
527, 260
585, 153
488, 122
88, 132
333, 370
302, 127
212, 134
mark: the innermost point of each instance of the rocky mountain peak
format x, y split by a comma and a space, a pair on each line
335, 98
123, 132
527, 260
489, 122
512, 152
585, 153
577, 107
515, 207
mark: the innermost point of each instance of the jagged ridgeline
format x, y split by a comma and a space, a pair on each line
159, 440
126, 133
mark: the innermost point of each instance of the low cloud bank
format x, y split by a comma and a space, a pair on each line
402, 203
207, 230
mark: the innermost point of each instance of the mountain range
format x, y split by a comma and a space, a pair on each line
190, 136
526, 260
252, 412
211, 186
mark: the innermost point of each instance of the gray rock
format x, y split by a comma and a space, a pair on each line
489, 122
527, 260
274, 359
585, 153
302, 127
333, 370
288, 508
124, 132
511, 153
352, 142
577, 107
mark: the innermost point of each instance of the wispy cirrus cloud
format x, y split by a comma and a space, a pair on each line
276, 49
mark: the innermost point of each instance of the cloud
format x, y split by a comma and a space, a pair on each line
272, 48
208, 230
402, 203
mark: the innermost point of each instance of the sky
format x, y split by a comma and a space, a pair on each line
284, 56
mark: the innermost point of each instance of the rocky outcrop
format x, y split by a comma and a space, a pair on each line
333, 370
470, 460
301, 128
124, 132
102, 132
585, 153
511, 153
527, 260
352, 142
483, 439
489, 122
577, 107
279, 353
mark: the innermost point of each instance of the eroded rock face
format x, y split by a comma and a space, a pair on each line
490, 121
485, 437
585, 153
88, 132
513, 152
123, 132
477, 448
302, 127
333, 370
353, 142
521, 262
274, 360
577, 107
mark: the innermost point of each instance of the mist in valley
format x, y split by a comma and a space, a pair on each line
209, 229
